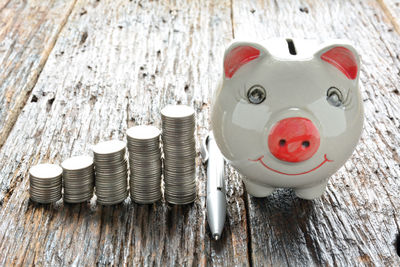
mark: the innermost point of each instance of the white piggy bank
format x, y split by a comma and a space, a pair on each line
288, 113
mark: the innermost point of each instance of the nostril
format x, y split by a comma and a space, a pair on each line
293, 139
306, 144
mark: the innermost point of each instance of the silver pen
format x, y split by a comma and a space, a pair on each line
216, 201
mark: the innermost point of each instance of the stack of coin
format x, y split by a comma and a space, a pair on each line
179, 146
111, 172
145, 163
78, 179
45, 183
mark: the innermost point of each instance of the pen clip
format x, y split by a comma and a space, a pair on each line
218, 161
204, 149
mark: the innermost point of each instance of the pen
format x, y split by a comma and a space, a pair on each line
216, 201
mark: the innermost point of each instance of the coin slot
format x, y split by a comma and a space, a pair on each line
219, 188
292, 48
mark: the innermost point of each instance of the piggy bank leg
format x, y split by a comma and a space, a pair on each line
311, 192
257, 190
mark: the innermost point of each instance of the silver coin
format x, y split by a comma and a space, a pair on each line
111, 171
44, 186
45, 193
150, 162
109, 147
81, 188
45, 200
177, 111
109, 203
180, 198
143, 170
139, 201
45, 171
146, 193
111, 188
46, 197
78, 198
145, 197
145, 185
180, 201
187, 179
79, 175
111, 195
83, 196
143, 132
77, 163
172, 171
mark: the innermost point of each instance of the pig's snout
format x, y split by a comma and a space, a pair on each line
294, 139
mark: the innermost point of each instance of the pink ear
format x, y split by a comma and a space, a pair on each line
237, 57
343, 59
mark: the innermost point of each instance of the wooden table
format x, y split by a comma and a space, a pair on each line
75, 72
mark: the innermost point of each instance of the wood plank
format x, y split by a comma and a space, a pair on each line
356, 221
28, 31
392, 11
116, 65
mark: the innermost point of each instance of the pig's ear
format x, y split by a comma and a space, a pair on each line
239, 54
343, 57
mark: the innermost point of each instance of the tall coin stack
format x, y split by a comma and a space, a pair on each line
145, 163
179, 146
78, 179
111, 172
45, 183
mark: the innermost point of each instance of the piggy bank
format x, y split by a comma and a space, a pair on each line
288, 113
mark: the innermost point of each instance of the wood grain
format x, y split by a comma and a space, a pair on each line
114, 65
28, 31
356, 221
391, 8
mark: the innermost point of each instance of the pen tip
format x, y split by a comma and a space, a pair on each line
216, 236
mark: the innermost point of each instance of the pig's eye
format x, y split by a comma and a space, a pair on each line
334, 97
256, 94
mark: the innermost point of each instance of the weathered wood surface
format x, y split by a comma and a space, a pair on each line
28, 32
116, 64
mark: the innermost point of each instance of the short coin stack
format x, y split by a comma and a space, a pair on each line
45, 183
179, 146
145, 163
111, 172
78, 179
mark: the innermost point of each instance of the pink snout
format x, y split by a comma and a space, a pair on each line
293, 139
